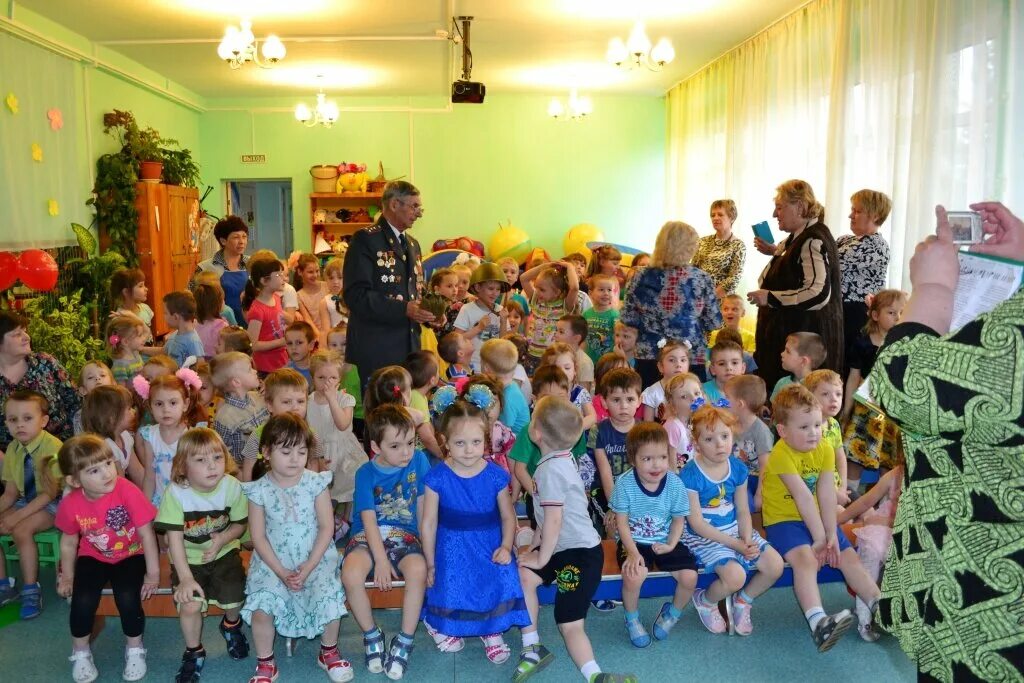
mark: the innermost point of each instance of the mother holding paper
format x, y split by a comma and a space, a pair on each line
800, 286
951, 591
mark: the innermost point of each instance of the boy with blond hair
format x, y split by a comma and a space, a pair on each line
732, 313
499, 358
804, 352
242, 409
827, 387
602, 316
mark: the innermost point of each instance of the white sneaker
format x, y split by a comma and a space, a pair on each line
83, 670
134, 664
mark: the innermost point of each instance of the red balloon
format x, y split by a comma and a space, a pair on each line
8, 269
37, 270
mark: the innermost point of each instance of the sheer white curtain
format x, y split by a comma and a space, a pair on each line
912, 98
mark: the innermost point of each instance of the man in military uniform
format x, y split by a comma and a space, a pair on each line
383, 282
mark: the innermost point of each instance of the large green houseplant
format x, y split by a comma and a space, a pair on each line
92, 276
59, 326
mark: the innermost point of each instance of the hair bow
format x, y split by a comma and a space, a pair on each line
700, 402
443, 399
396, 391
663, 342
189, 378
114, 339
141, 386
480, 396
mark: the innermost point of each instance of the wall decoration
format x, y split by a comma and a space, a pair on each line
37, 152
56, 118
52, 207
12, 102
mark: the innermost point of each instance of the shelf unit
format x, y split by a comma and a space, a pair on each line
331, 202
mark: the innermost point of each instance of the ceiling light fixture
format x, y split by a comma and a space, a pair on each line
238, 46
576, 109
325, 113
637, 51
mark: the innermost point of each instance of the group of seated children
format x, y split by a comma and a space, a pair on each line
675, 473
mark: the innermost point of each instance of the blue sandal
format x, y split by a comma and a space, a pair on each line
374, 648
398, 658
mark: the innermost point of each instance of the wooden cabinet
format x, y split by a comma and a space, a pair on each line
331, 203
168, 241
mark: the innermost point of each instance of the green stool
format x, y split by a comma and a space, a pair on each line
48, 543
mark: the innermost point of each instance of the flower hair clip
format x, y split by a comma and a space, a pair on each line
700, 401
141, 386
114, 339
396, 391
189, 378
480, 396
443, 399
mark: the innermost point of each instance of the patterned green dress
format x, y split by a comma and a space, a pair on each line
953, 589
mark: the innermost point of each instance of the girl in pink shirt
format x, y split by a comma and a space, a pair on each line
108, 538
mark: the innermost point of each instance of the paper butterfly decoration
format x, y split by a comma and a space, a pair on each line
56, 118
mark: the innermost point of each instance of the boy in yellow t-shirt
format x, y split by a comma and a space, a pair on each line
799, 511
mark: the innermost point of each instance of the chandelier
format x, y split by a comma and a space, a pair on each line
325, 113
238, 46
637, 51
576, 109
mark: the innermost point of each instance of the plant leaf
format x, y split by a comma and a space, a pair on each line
85, 239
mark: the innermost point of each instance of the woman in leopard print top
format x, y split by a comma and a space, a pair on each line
722, 255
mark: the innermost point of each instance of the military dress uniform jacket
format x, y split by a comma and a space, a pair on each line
380, 278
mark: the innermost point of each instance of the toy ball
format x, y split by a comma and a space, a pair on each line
577, 237
37, 270
510, 241
8, 269
461, 243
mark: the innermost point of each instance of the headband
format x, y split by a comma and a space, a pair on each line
700, 402
187, 376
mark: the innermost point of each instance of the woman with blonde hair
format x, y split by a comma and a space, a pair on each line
800, 286
671, 299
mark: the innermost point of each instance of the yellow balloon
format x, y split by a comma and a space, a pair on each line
577, 237
510, 241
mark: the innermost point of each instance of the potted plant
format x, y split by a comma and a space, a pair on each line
180, 168
144, 146
92, 275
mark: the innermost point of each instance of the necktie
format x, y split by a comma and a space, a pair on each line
30, 478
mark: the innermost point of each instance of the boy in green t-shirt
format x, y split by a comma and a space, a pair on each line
602, 316
799, 512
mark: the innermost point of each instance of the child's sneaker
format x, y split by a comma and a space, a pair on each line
8, 593
83, 670
238, 646
398, 658
613, 678
831, 628
637, 633
266, 672
532, 659
739, 616
338, 669
867, 632
31, 601
709, 614
665, 621
604, 605
134, 664
191, 667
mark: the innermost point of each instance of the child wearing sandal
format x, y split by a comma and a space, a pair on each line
650, 506
468, 529
292, 588
385, 545
566, 548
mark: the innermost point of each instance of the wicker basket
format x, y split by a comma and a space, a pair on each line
324, 178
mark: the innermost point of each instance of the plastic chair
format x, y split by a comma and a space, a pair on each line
47, 542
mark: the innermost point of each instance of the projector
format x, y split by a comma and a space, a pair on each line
468, 92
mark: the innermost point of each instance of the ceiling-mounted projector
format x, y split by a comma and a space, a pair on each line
465, 91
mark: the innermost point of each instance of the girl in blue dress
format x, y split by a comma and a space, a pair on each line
467, 534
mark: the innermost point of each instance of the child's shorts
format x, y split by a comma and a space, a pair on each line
222, 581
678, 559
710, 554
752, 481
577, 572
398, 543
50, 507
784, 536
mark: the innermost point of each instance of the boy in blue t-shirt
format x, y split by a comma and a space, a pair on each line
650, 506
180, 316
726, 363
385, 545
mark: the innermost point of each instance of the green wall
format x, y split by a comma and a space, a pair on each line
476, 165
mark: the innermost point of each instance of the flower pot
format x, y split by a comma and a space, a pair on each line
150, 171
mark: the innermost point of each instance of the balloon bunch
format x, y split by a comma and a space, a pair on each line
34, 267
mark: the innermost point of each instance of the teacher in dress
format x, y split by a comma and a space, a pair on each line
800, 286
383, 281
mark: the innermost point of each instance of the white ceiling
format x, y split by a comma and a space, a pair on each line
388, 47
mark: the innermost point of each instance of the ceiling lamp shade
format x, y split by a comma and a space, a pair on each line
636, 51
239, 47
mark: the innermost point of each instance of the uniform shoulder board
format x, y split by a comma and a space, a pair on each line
373, 229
